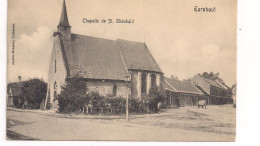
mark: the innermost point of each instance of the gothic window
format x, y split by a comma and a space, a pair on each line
115, 90
55, 86
143, 83
55, 66
153, 81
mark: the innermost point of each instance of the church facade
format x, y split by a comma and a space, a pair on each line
110, 67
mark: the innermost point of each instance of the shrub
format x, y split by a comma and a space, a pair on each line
97, 101
153, 98
73, 97
136, 106
115, 104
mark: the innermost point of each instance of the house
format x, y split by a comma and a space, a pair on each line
14, 90
180, 93
110, 67
216, 92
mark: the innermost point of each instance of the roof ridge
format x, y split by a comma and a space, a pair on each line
118, 39
94, 37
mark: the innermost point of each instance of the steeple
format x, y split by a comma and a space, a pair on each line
64, 29
64, 17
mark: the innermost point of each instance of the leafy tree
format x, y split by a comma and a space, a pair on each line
73, 97
29, 94
213, 76
34, 91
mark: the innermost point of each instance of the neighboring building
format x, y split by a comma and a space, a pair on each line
234, 93
106, 65
216, 92
228, 91
13, 91
180, 93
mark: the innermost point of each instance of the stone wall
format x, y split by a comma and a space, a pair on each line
56, 76
105, 87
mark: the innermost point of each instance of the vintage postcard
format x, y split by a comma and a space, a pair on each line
121, 70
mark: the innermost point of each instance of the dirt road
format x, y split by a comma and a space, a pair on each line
216, 123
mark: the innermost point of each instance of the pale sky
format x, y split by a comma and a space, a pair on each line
182, 41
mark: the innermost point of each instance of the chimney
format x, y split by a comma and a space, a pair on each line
172, 77
19, 79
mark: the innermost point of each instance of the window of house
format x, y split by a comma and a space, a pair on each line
143, 83
115, 90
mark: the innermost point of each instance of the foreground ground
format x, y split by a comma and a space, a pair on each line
216, 123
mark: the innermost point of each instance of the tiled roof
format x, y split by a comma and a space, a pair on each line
201, 90
97, 58
137, 56
180, 86
214, 83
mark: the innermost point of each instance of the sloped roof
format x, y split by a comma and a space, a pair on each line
137, 56
201, 90
222, 84
97, 58
180, 86
214, 83
168, 86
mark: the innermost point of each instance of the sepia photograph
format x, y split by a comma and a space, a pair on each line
121, 70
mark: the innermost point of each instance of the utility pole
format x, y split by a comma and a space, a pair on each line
127, 112
128, 86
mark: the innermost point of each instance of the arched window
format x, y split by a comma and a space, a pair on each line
143, 83
115, 90
153, 81
55, 86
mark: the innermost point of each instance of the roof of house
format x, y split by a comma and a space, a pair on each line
214, 83
201, 90
222, 84
98, 58
179, 86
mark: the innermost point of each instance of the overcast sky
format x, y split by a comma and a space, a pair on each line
182, 41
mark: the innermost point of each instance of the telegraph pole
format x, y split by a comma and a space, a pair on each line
127, 112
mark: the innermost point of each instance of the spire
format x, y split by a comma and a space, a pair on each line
64, 17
